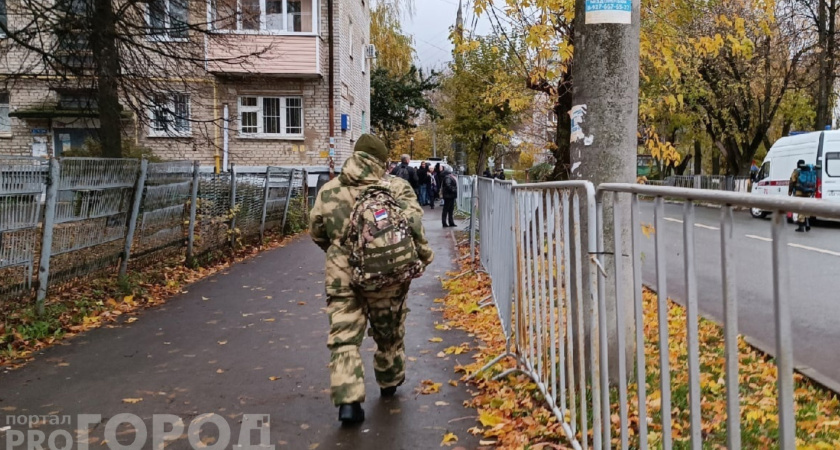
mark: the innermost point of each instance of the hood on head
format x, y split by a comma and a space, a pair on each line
362, 168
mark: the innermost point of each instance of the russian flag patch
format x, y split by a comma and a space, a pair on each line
382, 214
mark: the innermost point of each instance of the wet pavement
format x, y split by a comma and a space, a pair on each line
248, 341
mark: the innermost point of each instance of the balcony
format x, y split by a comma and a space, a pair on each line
260, 54
265, 37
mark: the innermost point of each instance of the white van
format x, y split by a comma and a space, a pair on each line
819, 148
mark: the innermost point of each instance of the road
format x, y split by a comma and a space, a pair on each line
814, 281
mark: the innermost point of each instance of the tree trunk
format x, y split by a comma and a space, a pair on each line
481, 162
825, 43
698, 157
103, 42
715, 161
680, 169
562, 150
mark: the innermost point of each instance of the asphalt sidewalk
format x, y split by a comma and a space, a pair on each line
250, 340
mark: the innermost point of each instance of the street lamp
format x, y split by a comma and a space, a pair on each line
411, 152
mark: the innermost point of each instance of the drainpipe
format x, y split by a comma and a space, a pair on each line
331, 87
225, 137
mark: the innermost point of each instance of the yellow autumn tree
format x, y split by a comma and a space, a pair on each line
542, 33
723, 70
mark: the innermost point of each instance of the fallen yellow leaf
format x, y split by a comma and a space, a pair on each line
448, 439
273, 378
488, 419
132, 400
436, 339
222, 342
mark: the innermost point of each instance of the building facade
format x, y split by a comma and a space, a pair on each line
253, 87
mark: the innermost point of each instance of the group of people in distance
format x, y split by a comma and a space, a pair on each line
431, 184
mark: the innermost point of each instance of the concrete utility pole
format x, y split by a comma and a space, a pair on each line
604, 128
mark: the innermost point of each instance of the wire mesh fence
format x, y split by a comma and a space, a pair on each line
91, 210
73, 218
22, 182
164, 214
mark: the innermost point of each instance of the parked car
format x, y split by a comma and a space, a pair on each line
819, 148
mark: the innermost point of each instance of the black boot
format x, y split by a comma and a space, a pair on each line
388, 391
352, 413
801, 228
807, 224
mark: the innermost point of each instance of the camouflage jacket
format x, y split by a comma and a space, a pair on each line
329, 219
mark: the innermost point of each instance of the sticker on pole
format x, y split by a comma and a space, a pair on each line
609, 11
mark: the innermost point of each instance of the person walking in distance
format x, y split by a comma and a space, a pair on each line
370, 226
449, 192
803, 183
407, 173
438, 181
423, 180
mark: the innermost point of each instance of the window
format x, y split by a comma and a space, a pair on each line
832, 160
77, 100
170, 115
4, 23
167, 19
764, 172
291, 16
364, 122
5, 121
271, 116
352, 43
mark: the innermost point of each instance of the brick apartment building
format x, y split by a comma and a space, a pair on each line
266, 109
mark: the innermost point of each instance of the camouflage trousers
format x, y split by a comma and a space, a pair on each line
801, 218
386, 310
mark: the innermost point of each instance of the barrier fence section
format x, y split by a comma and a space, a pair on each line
558, 301
708, 182
22, 182
547, 305
465, 193
76, 217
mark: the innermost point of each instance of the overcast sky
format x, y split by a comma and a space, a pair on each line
430, 29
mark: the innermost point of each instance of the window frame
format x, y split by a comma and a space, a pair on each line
165, 35
351, 34
762, 171
4, 7
169, 111
7, 104
831, 156
212, 7
260, 111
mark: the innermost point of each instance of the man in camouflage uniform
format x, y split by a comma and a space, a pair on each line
349, 309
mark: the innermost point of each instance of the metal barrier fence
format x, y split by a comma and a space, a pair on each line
708, 182
464, 203
75, 217
22, 182
558, 305
497, 215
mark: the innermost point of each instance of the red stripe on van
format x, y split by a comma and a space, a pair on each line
774, 183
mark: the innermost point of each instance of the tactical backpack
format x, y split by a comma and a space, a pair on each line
382, 250
807, 181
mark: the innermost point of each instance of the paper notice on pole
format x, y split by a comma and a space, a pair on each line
609, 11
577, 113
